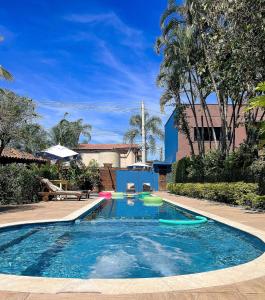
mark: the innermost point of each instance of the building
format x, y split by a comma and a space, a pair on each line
116, 155
11, 155
176, 143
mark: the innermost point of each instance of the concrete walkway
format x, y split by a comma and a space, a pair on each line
39, 211
253, 290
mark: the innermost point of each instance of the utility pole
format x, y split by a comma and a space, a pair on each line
143, 135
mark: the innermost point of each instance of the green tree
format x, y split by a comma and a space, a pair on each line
258, 102
182, 72
153, 131
208, 48
34, 138
16, 113
67, 133
232, 37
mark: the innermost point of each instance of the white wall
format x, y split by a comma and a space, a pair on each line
110, 157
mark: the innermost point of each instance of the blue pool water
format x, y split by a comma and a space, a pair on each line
123, 239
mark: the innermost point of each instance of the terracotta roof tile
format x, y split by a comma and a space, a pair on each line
20, 155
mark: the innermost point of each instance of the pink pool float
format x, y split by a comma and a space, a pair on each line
106, 195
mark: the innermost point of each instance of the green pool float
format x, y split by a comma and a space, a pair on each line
197, 220
117, 195
142, 195
152, 199
153, 204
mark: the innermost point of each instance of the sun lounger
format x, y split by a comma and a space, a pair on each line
52, 190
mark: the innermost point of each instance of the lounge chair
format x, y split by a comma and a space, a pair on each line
49, 189
147, 187
130, 188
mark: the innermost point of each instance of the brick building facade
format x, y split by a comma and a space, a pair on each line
176, 143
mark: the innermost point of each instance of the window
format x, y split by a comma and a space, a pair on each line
207, 135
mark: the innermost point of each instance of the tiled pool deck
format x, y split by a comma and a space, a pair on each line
239, 289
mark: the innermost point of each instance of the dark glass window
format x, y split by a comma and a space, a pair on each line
207, 134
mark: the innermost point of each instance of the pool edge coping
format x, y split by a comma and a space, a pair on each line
243, 272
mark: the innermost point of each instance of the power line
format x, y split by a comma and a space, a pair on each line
93, 106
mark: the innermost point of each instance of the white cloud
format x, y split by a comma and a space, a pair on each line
131, 37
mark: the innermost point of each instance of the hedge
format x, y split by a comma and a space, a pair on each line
236, 193
18, 184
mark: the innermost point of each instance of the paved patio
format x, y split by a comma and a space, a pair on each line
253, 289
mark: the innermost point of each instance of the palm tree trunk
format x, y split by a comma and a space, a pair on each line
185, 126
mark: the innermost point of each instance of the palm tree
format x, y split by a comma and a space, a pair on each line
3, 72
153, 131
179, 73
67, 133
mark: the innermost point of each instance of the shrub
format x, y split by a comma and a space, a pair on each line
232, 193
195, 169
181, 173
258, 172
215, 167
18, 184
46, 171
79, 176
259, 202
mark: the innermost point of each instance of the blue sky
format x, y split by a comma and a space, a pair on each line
94, 59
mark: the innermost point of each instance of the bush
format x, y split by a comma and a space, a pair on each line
238, 193
258, 172
79, 176
18, 184
259, 202
195, 169
46, 171
214, 167
181, 173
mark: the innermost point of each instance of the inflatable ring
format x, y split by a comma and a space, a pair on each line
117, 195
198, 220
144, 193
153, 204
130, 195
106, 195
151, 199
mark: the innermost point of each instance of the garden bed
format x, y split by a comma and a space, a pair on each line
235, 193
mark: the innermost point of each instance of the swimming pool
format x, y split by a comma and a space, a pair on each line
123, 239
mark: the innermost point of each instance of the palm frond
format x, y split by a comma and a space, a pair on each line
135, 120
261, 87
158, 44
172, 24
153, 121
131, 135
151, 144
165, 98
5, 74
168, 12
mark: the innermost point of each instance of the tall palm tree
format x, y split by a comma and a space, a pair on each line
153, 131
67, 133
179, 72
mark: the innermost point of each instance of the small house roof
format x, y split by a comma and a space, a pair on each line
16, 155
